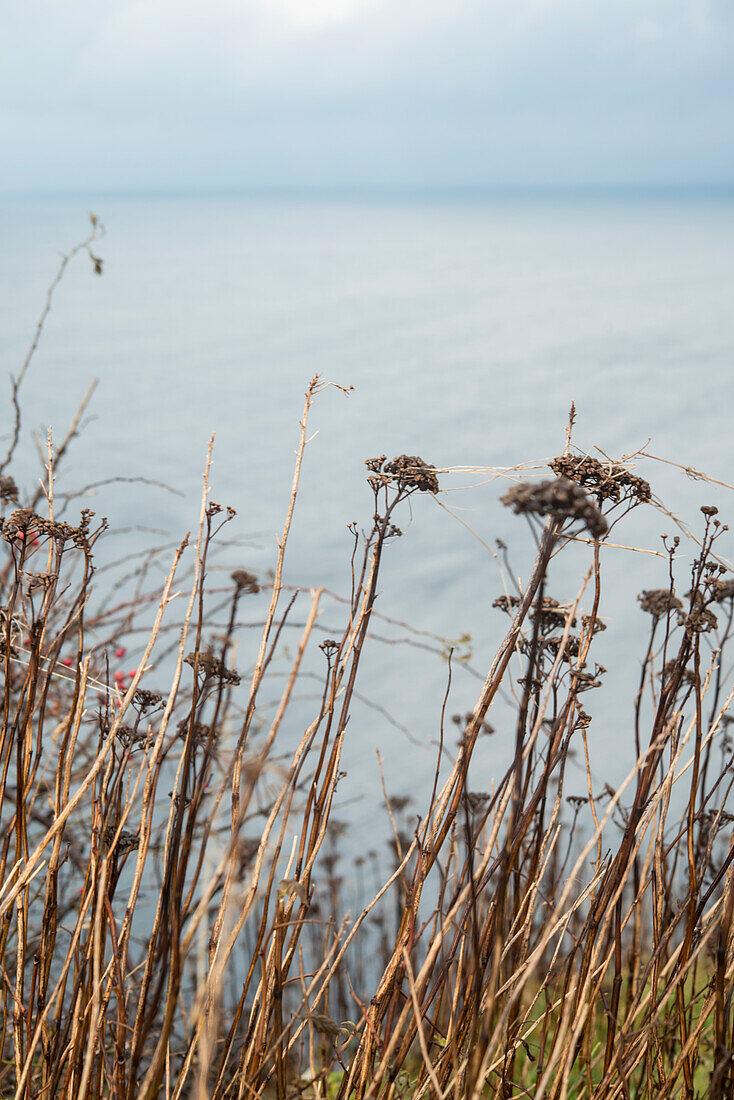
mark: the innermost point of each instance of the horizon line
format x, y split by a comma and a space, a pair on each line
427, 190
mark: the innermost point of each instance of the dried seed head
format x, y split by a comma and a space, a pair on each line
465, 719
561, 499
23, 518
24, 523
212, 667
410, 471
146, 699
598, 625
723, 590
555, 642
400, 802
688, 676
8, 490
586, 681
201, 733
507, 603
405, 471
39, 580
603, 480
700, 620
245, 581
551, 614
659, 602
130, 738
126, 841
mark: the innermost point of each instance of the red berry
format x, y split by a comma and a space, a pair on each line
120, 651
68, 661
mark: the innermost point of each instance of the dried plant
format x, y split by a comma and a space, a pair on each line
172, 882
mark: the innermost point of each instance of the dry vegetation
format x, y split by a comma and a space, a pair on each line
162, 933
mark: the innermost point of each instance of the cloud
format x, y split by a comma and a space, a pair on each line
258, 92
318, 13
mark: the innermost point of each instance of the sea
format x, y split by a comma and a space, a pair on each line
462, 327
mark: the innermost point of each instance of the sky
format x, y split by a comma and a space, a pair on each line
135, 95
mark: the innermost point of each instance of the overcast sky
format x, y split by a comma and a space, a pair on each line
140, 94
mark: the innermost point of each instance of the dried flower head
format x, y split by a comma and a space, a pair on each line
40, 580
659, 602
20, 523
688, 676
410, 471
145, 699
598, 625
245, 581
555, 642
201, 734
24, 524
561, 499
212, 667
465, 719
551, 614
603, 480
400, 802
8, 490
405, 471
126, 841
586, 681
507, 603
722, 590
700, 620
131, 739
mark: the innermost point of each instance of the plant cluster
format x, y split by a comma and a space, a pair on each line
171, 902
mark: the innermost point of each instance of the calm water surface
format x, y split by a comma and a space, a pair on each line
466, 329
